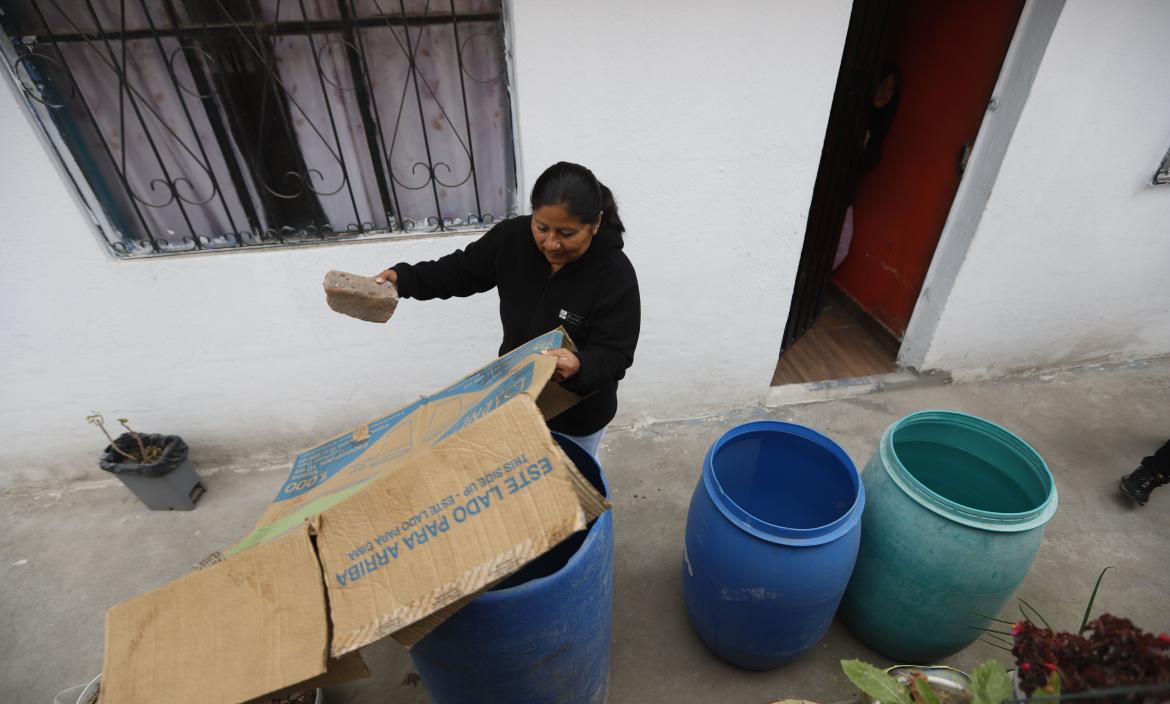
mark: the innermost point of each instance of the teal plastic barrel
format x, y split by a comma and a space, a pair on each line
956, 508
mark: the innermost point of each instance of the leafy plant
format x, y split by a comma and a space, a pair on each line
1106, 652
147, 454
1092, 598
990, 683
1111, 652
876, 682
923, 693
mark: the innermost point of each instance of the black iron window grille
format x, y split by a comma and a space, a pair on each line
191, 125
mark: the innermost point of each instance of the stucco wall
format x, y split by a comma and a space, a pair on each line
1069, 262
707, 125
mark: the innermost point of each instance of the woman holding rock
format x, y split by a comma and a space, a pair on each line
561, 266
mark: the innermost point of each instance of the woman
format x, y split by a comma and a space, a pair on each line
561, 266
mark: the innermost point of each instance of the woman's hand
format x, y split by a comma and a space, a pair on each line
388, 275
568, 364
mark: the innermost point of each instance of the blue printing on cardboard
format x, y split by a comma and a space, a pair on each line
480, 496
498, 369
318, 465
508, 389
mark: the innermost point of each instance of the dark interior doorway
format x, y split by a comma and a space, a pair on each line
892, 173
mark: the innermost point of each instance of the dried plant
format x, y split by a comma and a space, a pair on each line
147, 454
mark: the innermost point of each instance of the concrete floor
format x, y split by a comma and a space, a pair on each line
69, 553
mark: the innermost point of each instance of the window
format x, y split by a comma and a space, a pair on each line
191, 125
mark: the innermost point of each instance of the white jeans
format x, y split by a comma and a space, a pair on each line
588, 443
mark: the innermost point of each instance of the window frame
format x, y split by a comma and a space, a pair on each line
108, 234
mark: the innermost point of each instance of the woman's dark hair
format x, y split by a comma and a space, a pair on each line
575, 188
880, 119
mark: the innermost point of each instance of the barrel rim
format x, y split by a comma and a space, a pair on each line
593, 534
771, 532
960, 513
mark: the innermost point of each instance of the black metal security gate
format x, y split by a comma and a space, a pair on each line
205, 124
840, 162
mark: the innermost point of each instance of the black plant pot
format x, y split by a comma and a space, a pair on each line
168, 483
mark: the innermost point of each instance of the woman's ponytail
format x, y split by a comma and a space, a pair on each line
609, 210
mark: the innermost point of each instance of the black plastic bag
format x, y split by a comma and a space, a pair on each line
174, 454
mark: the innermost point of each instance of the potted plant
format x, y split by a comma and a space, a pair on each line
1108, 656
155, 467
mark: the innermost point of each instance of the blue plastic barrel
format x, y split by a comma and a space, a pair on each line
771, 540
543, 635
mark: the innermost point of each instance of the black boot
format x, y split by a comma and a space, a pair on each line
1141, 482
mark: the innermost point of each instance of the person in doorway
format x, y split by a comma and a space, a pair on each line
887, 93
886, 96
561, 266
1153, 472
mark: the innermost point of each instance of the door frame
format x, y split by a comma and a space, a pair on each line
865, 41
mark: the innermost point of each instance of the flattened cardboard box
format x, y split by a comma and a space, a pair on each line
383, 531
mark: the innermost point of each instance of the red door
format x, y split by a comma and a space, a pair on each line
949, 54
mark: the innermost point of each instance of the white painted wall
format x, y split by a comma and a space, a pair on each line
707, 125
1009, 97
1070, 261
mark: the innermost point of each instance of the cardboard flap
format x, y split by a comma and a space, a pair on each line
331, 472
555, 399
450, 521
228, 633
347, 668
410, 635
